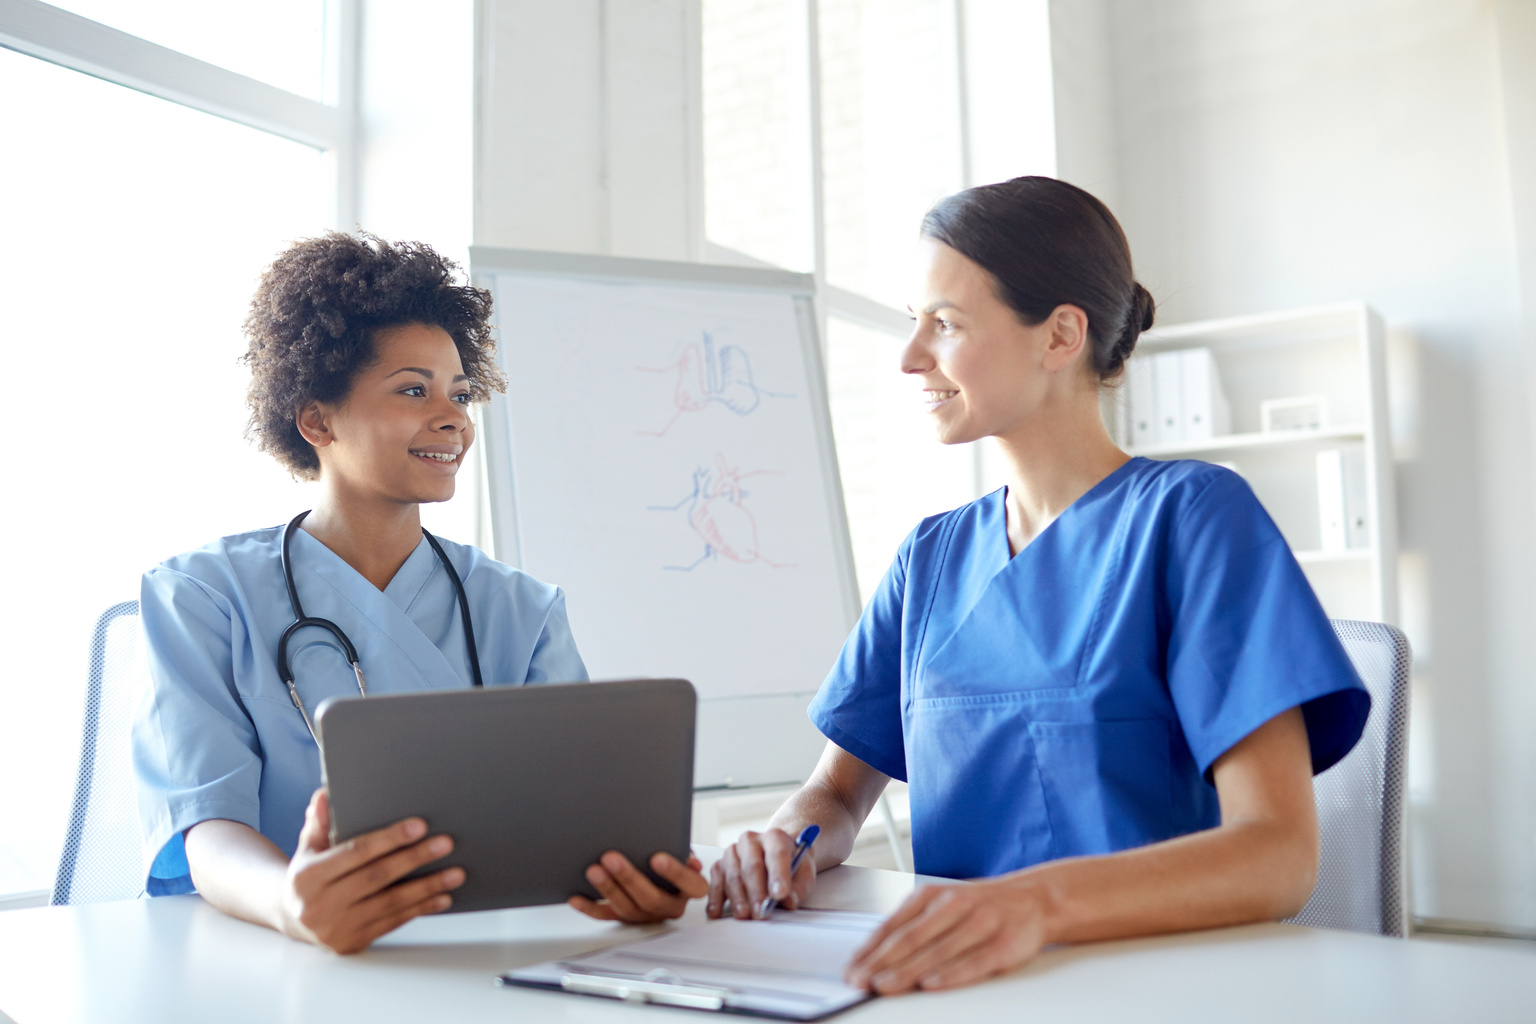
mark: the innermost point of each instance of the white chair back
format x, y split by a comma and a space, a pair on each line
101, 859
1361, 883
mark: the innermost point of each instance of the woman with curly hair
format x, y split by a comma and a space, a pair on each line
365, 357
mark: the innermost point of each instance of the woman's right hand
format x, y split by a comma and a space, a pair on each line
344, 897
755, 868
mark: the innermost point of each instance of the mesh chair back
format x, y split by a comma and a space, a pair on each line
1360, 877
101, 858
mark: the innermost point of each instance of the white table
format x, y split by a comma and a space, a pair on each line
176, 959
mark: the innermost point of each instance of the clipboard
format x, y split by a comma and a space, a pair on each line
787, 967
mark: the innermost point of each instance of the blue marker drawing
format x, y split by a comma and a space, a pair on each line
718, 514
705, 376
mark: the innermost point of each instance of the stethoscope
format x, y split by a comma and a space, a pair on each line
285, 668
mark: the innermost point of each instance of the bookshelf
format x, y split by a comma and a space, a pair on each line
1337, 352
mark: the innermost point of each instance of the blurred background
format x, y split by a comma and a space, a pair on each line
1260, 155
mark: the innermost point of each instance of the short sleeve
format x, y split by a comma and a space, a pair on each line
555, 658
1248, 638
859, 705
195, 751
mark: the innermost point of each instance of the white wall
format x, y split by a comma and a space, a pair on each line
1084, 96
1269, 154
587, 127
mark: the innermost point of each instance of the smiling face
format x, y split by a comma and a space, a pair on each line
404, 428
984, 372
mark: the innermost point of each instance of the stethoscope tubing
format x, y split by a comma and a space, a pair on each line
302, 621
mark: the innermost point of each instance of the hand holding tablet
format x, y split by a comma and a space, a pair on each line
535, 784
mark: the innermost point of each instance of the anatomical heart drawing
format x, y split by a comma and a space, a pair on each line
718, 512
706, 376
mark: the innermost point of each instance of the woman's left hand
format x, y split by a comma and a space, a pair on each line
945, 936
630, 896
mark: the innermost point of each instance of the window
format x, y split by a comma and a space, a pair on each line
757, 169
280, 42
135, 230
890, 126
830, 127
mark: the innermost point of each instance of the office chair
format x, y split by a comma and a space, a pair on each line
101, 857
1360, 878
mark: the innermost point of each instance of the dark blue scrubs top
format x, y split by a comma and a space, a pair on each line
1071, 700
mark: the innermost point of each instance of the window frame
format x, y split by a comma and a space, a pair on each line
69, 40
832, 300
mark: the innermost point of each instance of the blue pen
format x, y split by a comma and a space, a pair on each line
802, 847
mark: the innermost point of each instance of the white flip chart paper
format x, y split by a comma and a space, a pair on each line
669, 474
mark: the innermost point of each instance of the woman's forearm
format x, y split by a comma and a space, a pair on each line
818, 804
238, 870
1235, 874
1259, 865
340, 897
838, 798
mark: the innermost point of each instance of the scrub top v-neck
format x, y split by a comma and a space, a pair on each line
217, 736
1071, 699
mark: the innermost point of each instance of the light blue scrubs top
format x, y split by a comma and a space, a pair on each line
216, 735
1071, 700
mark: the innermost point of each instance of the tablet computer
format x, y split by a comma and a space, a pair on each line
533, 783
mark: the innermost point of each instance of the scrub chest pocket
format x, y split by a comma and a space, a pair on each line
1040, 789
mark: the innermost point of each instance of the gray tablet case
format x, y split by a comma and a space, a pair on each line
534, 783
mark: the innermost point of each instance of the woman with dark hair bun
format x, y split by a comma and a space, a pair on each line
1108, 684
365, 357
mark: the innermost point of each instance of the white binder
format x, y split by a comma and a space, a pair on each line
1168, 377
1141, 391
1357, 529
1330, 501
1341, 500
1206, 414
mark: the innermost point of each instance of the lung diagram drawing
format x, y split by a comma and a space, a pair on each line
705, 376
718, 514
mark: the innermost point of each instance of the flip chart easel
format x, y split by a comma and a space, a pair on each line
664, 454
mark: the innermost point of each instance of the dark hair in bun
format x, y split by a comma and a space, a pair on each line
1047, 243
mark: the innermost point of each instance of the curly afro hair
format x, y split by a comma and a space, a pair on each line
316, 313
